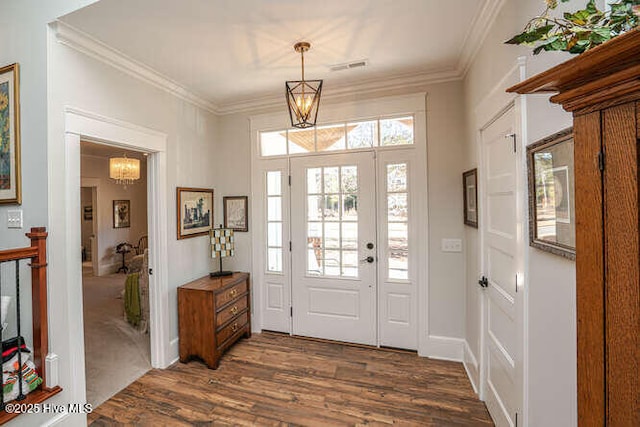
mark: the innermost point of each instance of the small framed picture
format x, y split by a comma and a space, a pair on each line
551, 195
236, 212
194, 211
470, 189
10, 178
121, 214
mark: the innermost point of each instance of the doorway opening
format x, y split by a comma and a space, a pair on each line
115, 281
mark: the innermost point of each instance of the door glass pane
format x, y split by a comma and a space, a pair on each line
362, 135
314, 234
314, 262
301, 141
331, 180
314, 207
274, 183
314, 181
332, 208
349, 235
398, 237
349, 207
349, 176
274, 260
331, 138
397, 131
274, 234
332, 235
273, 143
397, 177
332, 228
397, 207
274, 208
332, 263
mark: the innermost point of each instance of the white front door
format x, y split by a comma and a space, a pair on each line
334, 254
503, 334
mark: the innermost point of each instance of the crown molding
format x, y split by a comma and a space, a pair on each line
84, 43
366, 87
479, 29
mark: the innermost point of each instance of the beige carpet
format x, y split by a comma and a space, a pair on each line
115, 353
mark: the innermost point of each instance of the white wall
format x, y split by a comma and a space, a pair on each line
445, 137
87, 84
109, 237
551, 381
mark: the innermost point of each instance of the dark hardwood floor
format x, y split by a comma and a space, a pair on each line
273, 379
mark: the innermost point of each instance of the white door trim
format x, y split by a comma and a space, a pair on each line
95, 128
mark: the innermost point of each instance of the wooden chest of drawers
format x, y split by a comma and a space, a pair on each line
213, 313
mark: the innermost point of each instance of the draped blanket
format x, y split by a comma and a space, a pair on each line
132, 299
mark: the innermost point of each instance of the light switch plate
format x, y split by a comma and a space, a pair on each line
14, 219
451, 245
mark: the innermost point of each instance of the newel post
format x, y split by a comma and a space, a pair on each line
38, 236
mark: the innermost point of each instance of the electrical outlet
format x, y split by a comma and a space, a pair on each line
14, 219
451, 245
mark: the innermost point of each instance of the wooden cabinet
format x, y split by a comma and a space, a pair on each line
602, 90
213, 313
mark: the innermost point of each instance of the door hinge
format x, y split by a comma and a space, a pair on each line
601, 160
289, 245
291, 311
516, 419
516, 283
289, 180
151, 272
483, 282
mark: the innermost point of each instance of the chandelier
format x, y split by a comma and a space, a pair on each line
303, 96
124, 170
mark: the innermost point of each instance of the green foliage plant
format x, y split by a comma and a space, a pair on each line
579, 31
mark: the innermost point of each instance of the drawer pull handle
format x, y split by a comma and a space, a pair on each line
234, 327
234, 309
233, 292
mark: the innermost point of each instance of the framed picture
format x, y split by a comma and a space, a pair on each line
470, 188
195, 211
10, 178
121, 214
88, 213
236, 212
551, 195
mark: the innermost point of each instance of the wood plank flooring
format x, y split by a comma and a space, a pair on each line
276, 380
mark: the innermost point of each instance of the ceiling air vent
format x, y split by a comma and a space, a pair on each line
349, 65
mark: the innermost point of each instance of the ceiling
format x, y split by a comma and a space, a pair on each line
230, 50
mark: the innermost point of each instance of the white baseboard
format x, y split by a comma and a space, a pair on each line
471, 366
445, 348
67, 419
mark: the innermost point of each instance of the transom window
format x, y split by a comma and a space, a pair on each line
338, 137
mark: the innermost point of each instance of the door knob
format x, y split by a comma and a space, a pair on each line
368, 259
369, 245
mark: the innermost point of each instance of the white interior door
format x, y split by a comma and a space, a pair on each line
503, 336
333, 229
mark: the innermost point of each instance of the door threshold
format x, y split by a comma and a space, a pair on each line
345, 343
